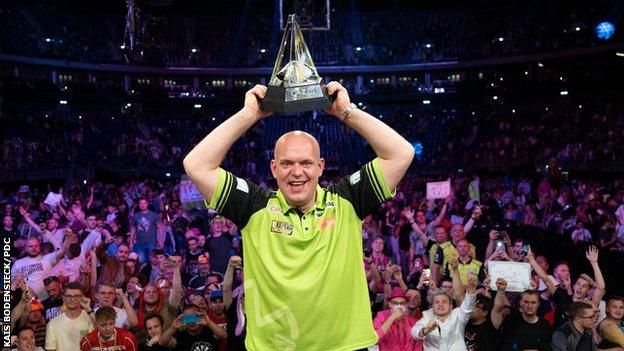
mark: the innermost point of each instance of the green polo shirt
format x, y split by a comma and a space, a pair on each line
305, 286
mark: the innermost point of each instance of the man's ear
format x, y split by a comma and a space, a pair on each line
273, 166
321, 166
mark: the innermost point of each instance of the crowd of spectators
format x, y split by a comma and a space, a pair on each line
231, 39
133, 256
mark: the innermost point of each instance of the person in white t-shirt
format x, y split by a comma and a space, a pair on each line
36, 267
65, 330
106, 293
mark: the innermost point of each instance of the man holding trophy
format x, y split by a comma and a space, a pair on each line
305, 287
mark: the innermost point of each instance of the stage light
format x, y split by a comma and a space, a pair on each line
79, 117
418, 148
578, 29
197, 106
193, 50
494, 97
84, 181
122, 46
262, 51
501, 39
167, 174
526, 73
358, 48
539, 64
428, 46
563, 92
63, 102
513, 111
619, 54
426, 102
605, 30
48, 40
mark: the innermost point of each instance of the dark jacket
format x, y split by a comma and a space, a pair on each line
568, 338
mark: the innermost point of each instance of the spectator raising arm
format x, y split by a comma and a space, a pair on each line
540, 272
592, 257
228, 280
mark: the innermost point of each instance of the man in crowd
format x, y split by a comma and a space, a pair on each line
192, 336
107, 292
576, 333
394, 325
444, 326
26, 340
114, 268
146, 232
526, 330
582, 286
483, 330
35, 267
294, 231
52, 305
65, 330
106, 336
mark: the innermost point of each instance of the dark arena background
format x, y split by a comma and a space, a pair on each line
520, 104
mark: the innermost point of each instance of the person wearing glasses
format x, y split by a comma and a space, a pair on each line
65, 330
394, 325
576, 333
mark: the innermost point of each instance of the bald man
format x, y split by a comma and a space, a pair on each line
305, 286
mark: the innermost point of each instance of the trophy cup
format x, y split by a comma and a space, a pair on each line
296, 87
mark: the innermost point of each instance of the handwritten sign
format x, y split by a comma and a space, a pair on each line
517, 275
438, 190
190, 197
53, 199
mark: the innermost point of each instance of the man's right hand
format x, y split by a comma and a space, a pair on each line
252, 101
235, 261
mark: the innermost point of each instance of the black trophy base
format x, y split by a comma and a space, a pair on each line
304, 98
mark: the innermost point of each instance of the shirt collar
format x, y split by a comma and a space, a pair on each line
319, 199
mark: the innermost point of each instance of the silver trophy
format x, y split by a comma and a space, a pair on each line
295, 87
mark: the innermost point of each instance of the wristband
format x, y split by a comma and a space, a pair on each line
347, 111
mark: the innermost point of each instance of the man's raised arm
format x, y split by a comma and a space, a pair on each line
394, 152
202, 163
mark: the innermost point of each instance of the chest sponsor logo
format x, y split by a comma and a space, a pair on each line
281, 227
319, 214
330, 203
327, 223
276, 209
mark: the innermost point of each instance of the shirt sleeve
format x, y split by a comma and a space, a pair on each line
237, 199
50, 340
559, 342
365, 189
418, 327
466, 307
377, 323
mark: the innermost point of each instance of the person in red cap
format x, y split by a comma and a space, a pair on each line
394, 325
107, 336
36, 321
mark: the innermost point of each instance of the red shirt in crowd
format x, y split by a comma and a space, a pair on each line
124, 341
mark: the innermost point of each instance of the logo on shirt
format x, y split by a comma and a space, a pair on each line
327, 223
354, 178
281, 227
242, 185
330, 203
276, 209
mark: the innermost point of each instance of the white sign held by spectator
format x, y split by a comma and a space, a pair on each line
517, 275
53, 199
438, 190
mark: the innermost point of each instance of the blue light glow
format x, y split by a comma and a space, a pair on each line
605, 30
